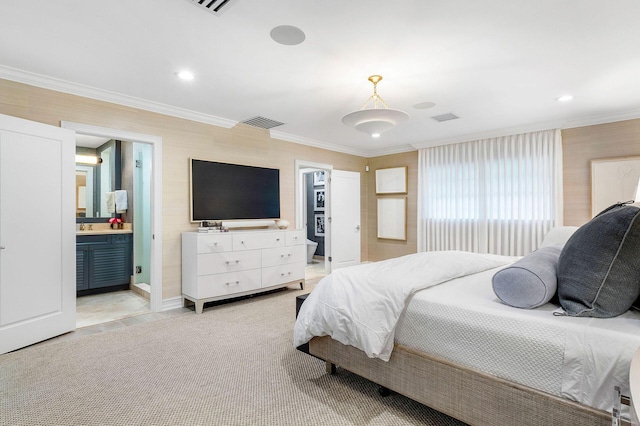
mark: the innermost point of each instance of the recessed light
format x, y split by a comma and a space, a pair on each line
564, 98
375, 135
185, 75
424, 105
287, 35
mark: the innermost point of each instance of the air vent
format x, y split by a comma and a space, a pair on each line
263, 123
214, 6
445, 117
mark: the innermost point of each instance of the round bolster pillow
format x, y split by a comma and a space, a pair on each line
531, 281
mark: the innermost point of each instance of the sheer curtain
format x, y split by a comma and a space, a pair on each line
498, 195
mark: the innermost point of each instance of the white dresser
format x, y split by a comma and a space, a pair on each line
218, 266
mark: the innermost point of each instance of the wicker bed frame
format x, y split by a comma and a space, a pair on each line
473, 397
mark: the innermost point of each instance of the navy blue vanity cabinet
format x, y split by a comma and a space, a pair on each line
82, 265
103, 261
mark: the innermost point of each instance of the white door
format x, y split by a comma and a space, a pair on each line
345, 218
37, 232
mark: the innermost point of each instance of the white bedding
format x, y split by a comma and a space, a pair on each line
360, 305
580, 359
462, 320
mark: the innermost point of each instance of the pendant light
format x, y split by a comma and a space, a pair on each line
375, 120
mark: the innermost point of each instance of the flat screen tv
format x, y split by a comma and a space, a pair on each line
221, 191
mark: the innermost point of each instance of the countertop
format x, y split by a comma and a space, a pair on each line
103, 228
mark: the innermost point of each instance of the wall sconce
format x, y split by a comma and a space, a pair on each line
88, 159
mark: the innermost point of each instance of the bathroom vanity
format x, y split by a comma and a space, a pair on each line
104, 260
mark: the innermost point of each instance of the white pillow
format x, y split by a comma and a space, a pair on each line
558, 235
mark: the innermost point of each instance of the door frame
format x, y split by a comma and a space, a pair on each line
156, 196
302, 167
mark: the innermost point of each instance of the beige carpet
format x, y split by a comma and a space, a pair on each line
232, 365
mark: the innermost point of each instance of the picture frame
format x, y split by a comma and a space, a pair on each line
391, 181
318, 221
613, 180
392, 218
318, 200
318, 178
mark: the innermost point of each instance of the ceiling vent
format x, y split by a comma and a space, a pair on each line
263, 123
445, 117
214, 6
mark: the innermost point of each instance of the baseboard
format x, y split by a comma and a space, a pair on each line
172, 303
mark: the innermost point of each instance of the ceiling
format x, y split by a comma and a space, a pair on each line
497, 64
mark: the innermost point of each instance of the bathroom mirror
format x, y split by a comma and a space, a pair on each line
98, 171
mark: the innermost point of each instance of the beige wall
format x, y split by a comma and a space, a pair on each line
181, 139
580, 146
380, 249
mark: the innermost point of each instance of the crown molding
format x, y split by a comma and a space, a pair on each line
59, 85
585, 121
602, 119
338, 148
316, 143
64, 86
496, 133
390, 151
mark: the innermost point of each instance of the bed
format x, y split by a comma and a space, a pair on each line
457, 348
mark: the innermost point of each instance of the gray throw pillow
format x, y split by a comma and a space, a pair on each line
531, 281
599, 268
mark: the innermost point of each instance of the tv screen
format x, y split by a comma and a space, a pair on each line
221, 191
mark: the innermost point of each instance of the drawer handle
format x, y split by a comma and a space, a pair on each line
229, 261
282, 274
288, 255
232, 283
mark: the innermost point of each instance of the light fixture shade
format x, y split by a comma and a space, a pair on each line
88, 159
375, 120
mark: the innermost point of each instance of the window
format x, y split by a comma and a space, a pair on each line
497, 195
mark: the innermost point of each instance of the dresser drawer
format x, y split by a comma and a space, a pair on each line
283, 255
258, 240
275, 275
214, 243
227, 284
218, 263
296, 237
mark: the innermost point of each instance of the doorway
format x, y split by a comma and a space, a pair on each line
152, 145
313, 209
340, 218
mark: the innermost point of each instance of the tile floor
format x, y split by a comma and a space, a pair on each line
106, 307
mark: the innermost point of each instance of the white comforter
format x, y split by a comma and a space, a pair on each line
360, 305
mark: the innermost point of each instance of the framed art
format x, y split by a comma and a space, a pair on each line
318, 199
613, 180
319, 225
391, 181
392, 218
318, 178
